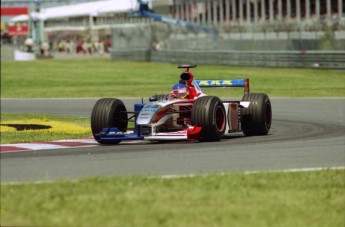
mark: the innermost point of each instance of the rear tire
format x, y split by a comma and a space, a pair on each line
108, 113
257, 118
209, 113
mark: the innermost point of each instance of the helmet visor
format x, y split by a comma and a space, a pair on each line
180, 92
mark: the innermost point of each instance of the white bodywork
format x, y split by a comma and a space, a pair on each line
149, 111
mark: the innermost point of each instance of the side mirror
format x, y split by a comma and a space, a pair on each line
153, 98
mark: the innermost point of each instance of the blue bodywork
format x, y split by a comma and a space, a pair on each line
115, 134
111, 134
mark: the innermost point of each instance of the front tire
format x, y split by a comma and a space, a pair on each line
209, 113
108, 113
257, 118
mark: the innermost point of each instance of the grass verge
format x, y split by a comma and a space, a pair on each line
56, 128
261, 199
104, 78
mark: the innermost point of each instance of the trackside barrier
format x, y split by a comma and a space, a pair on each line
295, 59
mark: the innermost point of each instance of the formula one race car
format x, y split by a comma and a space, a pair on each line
186, 113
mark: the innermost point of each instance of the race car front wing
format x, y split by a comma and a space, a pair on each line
114, 134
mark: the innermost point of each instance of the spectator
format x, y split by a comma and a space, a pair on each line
90, 47
79, 48
85, 46
156, 45
29, 44
96, 46
61, 46
101, 48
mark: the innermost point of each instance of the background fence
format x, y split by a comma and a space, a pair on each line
308, 59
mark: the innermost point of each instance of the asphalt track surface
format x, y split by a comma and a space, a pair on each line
305, 133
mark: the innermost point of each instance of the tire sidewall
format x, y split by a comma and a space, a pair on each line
108, 113
257, 118
209, 113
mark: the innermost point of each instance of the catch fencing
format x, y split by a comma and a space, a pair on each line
296, 59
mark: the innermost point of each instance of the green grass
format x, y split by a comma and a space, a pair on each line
104, 78
69, 128
262, 199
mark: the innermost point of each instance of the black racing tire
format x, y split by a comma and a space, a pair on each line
108, 113
257, 118
209, 113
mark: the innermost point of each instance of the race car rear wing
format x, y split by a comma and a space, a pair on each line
225, 83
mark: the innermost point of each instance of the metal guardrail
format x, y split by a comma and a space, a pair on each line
131, 55
305, 59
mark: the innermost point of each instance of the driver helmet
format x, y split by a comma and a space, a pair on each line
180, 91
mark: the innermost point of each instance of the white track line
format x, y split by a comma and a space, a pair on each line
196, 175
259, 171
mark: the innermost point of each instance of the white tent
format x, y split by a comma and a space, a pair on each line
82, 9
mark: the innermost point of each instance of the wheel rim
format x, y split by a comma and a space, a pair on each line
220, 118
